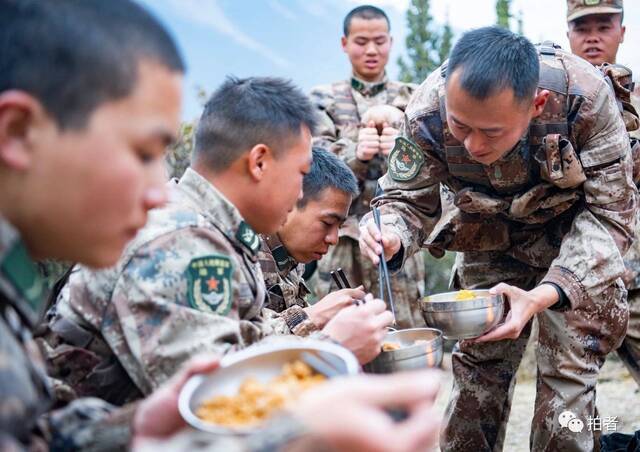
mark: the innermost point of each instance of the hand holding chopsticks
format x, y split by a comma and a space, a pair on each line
342, 282
383, 270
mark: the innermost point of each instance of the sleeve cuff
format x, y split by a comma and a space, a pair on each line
298, 321
395, 263
567, 283
92, 424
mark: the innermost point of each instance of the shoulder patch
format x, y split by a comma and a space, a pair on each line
209, 284
405, 160
18, 268
248, 237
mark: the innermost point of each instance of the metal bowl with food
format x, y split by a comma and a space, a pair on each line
254, 369
410, 349
463, 314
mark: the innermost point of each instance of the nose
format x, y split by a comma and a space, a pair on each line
332, 236
371, 48
474, 143
155, 194
593, 38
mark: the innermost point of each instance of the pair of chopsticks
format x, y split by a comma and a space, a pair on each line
343, 283
322, 363
340, 279
383, 270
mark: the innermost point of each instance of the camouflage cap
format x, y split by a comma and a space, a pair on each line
581, 8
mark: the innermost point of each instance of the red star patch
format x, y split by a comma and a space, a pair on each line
406, 158
212, 283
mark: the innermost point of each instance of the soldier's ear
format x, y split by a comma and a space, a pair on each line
624, 30
19, 114
259, 161
343, 42
539, 102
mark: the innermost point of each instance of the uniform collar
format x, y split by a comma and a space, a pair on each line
18, 273
220, 211
284, 261
369, 89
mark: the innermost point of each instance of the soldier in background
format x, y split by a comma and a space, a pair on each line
310, 230
190, 281
364, 142
595, 33
536, 155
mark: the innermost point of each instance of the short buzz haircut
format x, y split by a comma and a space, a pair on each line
75, 55
366, 12
243, 113
491, 59
327, 171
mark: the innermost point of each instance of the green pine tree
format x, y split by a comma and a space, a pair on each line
424, 44
503, 11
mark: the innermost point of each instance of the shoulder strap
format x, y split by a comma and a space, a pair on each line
620, 79
554, 78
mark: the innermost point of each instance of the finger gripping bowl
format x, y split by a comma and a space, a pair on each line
262, 362
419, 348
463, 319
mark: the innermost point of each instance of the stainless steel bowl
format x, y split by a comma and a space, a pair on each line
411, 355
262, 362
463, 319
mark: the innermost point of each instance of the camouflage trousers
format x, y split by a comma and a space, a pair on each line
407, 285
572, 347
629, 351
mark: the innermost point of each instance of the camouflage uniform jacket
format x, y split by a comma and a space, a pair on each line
283, 279
342, 105
632, 258
572, 219
188, 283
26, 421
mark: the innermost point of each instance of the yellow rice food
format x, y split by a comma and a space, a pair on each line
465, 295
256, 401
390, 346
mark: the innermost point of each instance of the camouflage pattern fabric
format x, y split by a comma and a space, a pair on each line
342, 105
188, 283
629, 351
51, 271
572, 347
569, 230
283, 279
26, 422
581, 8
635, 101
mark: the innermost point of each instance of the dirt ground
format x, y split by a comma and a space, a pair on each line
617, 396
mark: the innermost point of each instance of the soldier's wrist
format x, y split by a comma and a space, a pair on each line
314, 317
395, 263
563, 303
559, 302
